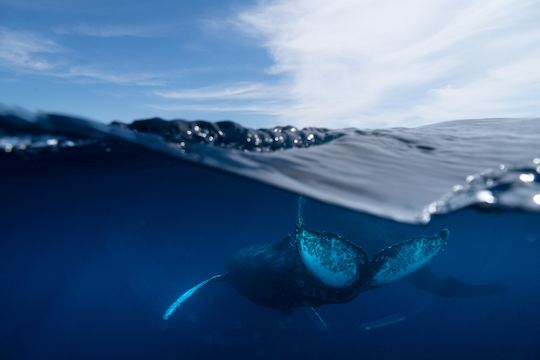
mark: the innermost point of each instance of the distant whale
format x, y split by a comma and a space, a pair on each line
314, 268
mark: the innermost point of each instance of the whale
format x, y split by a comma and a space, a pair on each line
312, 268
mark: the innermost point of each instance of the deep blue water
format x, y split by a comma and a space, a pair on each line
99, 237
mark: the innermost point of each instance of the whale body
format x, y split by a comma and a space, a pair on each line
313, 268
318, 268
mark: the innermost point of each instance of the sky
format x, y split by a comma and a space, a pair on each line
340, 63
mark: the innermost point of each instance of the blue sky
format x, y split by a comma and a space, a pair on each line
304, 62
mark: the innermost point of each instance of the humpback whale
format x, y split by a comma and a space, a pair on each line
313, 268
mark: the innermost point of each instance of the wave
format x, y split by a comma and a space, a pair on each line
404, 174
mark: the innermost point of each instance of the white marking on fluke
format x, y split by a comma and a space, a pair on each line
323, 262
187, 295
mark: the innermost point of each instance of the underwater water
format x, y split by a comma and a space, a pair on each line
104, 226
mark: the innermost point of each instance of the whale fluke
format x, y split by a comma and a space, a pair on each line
188, 294
397, 261
313, 268
331, 259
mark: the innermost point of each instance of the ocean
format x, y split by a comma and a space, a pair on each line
103, 226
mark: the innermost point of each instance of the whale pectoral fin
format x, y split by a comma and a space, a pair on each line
448, 287
188, 294
400, 260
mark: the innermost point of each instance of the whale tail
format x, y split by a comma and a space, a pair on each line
189, 293
397, 261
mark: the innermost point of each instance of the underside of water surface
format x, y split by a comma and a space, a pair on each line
103, 226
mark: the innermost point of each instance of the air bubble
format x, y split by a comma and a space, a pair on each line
526, 178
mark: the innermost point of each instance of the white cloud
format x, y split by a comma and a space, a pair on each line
242, 91
28, 53
24, 50
510, 89
94, 73
369, 63
110, 31
238, 99
272, 109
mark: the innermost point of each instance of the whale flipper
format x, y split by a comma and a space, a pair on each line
448, 287
397, 261
188, 294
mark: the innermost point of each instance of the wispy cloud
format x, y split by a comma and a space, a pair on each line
368, 63
112, 31
238, 99
243, 91
94, 73
25, 50
270, 109
513, 88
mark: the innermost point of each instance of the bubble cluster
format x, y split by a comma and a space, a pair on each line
35, 143
230, 135
504, 187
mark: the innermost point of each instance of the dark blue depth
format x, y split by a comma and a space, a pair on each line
92, 253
